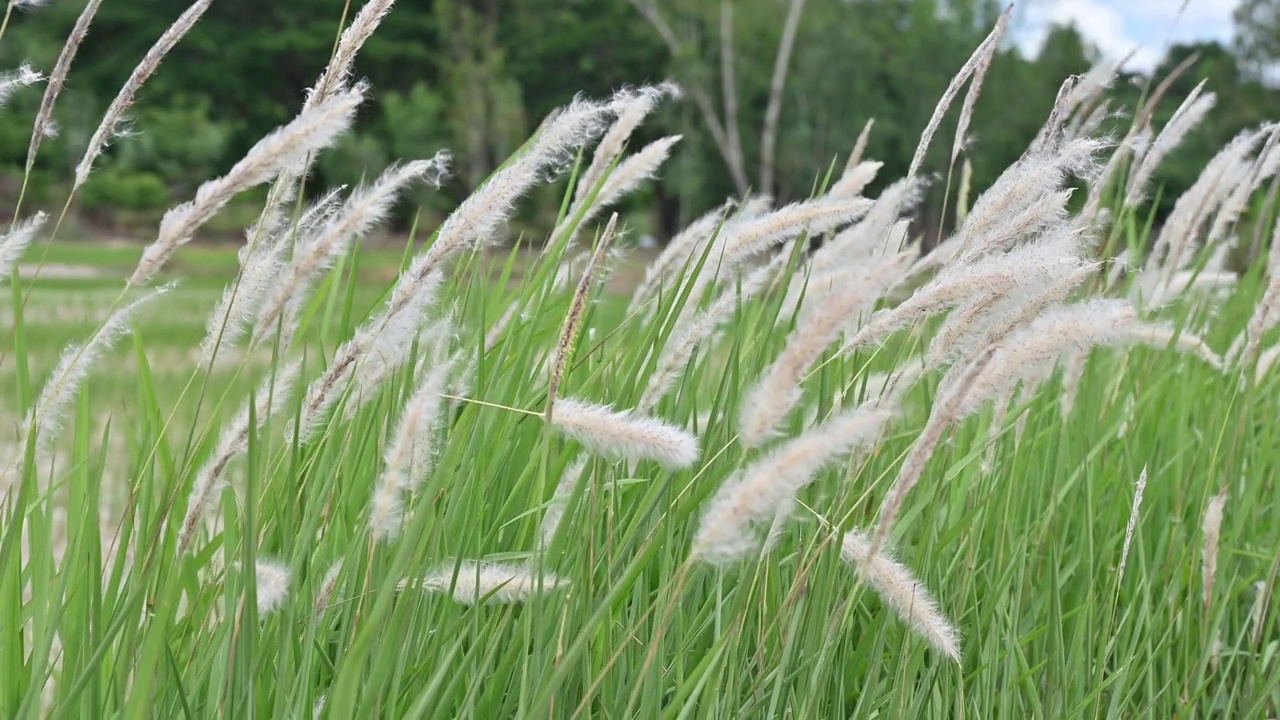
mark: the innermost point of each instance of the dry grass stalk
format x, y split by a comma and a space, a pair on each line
1133, 523
577, 309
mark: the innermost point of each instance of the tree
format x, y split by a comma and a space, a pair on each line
1258, 32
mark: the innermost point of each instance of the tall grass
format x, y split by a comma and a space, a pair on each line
995, 480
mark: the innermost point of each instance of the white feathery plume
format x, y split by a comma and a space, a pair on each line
270, 398
680, 249
475, 222
1042, 342
778, 390
993, 316
493, 583
283, 149
859, 146
43, 125
15, 242
338, 72
271, 585
242, 298
1266, 361
411, 448
24, 76
622, 434
728, 532
855, 179
327, 585
1233, 207
325, 391
633, 107
1258, 613
559, 500
45, 418
1188, 115
985, 55
366, 208
742, 241
1212, 528
499, 328
945, 410
975, 61
390, 349
898, 587
1154, 292
1197, 203
1090, 124
1265, 314
686, 339
624, 179
111, 119
1029, 265
1133, 522
872, 234
1025, 197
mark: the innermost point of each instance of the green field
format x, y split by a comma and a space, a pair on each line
1018, 475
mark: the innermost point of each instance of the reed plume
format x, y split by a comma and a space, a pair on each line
281, 150
124, 99
727, 531
488, 582
621, 434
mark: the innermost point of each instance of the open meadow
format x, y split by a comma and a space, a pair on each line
792, 465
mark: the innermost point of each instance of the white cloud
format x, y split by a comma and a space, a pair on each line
1119, 27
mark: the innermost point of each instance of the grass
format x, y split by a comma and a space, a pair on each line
1022, 559
104, 613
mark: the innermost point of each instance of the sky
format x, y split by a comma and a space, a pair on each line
1117, 27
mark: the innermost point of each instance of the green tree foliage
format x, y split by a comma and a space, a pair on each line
1258, 31
475, 76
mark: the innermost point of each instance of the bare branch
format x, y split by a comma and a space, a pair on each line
769, 136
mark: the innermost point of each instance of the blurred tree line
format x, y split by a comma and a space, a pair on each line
476, 76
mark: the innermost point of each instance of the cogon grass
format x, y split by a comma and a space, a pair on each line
684, 593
